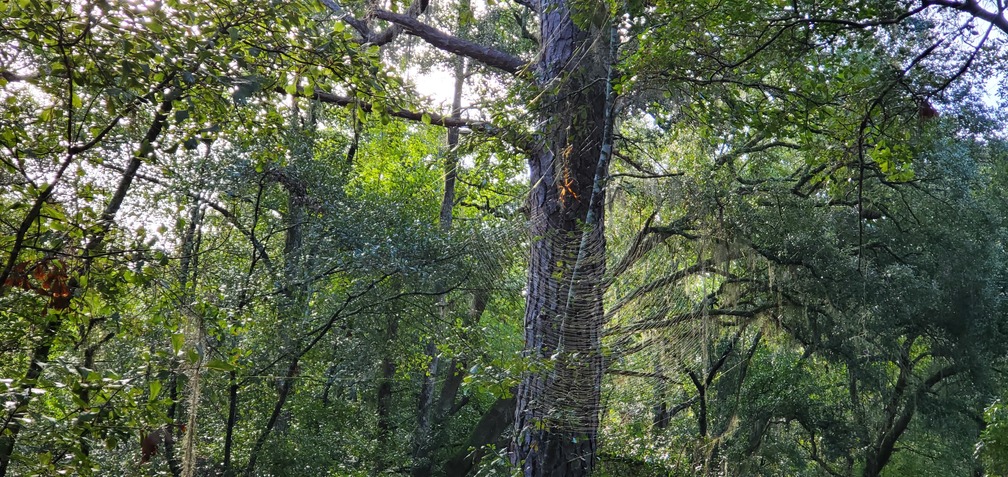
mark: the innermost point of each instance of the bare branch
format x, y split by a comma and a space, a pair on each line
12, 76
226, 214
345, 17
637, 374
529, 4
443, 41
962, 69
852, 24
657, 284
973, 8
647, 239
369, 36
130, 172
661, 319
525, 33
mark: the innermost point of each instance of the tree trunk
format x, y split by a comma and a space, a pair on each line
556, 421
424, 436
488, 430
11, 427
660, 412
292, 290
174, 466
40, 353
187, 275
701, 388
384, 395
231, 421
283, 394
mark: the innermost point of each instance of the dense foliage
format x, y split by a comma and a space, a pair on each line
636, 238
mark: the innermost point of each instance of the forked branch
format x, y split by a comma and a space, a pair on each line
972, 7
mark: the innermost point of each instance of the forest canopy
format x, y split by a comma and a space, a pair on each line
643, 238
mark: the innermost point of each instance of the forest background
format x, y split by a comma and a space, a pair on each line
758, 237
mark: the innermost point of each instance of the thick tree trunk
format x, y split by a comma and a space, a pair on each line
489, 429
556, 421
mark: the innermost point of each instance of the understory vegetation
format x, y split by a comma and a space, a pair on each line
523, 237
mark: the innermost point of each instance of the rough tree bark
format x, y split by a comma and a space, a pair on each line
556, 421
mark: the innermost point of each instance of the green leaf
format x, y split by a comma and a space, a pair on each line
192, 356
155, 389
7, 138
177, 340
220, 365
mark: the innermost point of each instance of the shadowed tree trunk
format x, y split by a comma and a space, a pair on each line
384, 395
427, 415
556, 420
231, 421
489, 429
293, 288
283, 394
174, 466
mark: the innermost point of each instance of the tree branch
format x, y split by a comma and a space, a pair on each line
973, 8
443, 41
435, 119
12, 76
647, 239
529, 4
637, 374
369, 36
345, 17
660, 321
